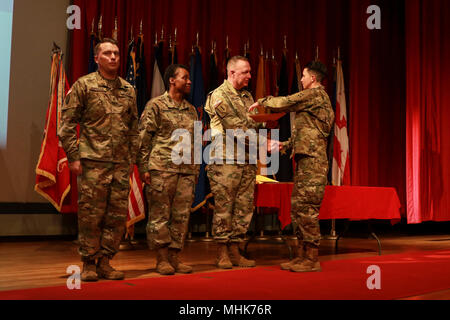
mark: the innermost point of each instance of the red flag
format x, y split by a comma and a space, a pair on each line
54, 180
136, 205
340, 168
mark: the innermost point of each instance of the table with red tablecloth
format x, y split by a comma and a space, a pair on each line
344, 202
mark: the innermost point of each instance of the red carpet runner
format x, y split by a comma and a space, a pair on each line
401, 275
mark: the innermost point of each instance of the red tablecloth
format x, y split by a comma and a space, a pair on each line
346, 202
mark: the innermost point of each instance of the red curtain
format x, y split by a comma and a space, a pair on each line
373, 60
428, 110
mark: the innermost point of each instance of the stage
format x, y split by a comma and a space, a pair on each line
26, 264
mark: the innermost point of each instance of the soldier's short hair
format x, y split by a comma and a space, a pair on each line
171, 72
104, 40
318, 69
232, 61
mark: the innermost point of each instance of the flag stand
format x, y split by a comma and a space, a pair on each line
332, 235
207, 237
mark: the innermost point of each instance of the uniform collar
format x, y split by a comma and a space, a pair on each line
173, 104
102, 82
229, 86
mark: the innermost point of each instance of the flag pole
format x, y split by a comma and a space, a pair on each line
333, 235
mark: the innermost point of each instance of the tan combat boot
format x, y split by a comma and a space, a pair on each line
237, 259
162, 262
298, 259
105, 270
311, 261
223, 260
176, 263
89, 272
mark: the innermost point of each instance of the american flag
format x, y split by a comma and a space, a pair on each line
136, 205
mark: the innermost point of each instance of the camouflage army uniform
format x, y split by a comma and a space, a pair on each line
107, 116
232, 185
171, 192
314, 119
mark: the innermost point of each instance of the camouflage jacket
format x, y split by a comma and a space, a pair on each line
107, 114
159, 121
314, 118
228, 109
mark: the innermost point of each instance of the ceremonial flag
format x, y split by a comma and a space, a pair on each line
247, 55
330, 140
197, 99
260, 91
92, 66
285, 173
158, 82
136, 203
141, 75
173, 54
340, 167
54, 181
131, 64
226, 57
115, 33
213, 72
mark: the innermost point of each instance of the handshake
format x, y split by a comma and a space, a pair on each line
272, 145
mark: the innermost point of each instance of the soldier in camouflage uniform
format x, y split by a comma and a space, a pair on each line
314, 118
232, 184
170, 180
104, 107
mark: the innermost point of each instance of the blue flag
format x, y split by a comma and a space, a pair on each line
131, 65
141, 75
197, 98
92, 66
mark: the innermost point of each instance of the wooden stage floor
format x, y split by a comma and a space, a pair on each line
43, 262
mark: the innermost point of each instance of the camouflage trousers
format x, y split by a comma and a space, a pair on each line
103, 189
233, 188
310, 179
170, 196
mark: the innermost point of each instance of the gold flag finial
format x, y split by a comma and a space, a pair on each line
226, 42
317, 53
156, 38
197, 37
93, 24
115, 31
339, 53
162, 33
141, 27
175, 37
100, 27
285, 42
